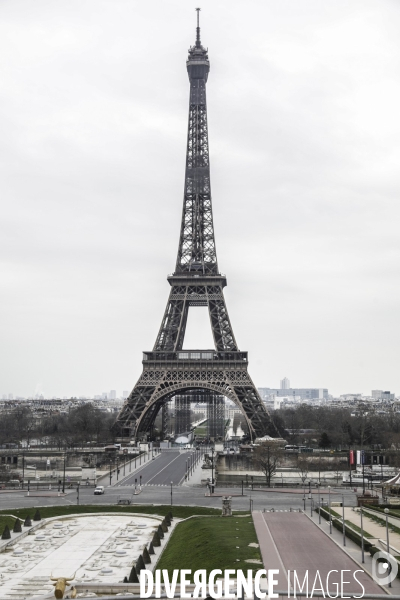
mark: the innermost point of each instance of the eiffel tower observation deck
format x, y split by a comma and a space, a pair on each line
169, 370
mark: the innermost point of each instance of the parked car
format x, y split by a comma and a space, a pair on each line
99, 490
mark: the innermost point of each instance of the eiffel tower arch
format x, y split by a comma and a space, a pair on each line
168, 369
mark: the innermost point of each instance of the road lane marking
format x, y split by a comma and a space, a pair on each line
167, 465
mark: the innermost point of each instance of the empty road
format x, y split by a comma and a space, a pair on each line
168, 466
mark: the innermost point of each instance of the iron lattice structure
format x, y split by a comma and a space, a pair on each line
216, 417
182, 414
169, 370
164, 422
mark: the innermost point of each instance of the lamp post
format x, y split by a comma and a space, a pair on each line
363, 464
362, 536
344, 526
242, 487
77, 494
319, 505
63, 487
212, 471
311, 502
330, 512
386, 511
171, 493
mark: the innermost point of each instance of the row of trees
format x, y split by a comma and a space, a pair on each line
338, 428
330, 428
83, 424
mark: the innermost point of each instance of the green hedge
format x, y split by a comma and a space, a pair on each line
350, 533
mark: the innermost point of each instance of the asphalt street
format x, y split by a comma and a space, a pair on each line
181, 495
165, 468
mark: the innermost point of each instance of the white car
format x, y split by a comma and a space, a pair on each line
99, 490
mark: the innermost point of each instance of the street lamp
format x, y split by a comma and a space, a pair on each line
319, 504
171, 493
362, 535
63, 487
242, 487
212, 471
330, 512
344, 526
386, 511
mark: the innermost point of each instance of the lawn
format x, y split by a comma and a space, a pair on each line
6, 521
181, 512
211, 543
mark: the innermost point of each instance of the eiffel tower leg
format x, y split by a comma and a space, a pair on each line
220, 323
160, 381
165, 421
173, 325
257, 416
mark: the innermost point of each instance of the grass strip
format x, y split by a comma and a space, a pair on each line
182, 512
211, 544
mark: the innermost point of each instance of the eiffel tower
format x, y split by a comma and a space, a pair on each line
168, 370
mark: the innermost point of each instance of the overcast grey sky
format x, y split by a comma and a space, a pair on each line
303, 106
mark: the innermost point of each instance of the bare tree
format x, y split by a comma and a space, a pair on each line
303, 467
267, 457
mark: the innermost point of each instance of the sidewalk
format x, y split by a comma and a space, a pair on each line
198, 474
377, 531
292, 542
124, 471
351, 547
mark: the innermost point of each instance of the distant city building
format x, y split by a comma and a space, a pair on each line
303, 393
285, 384
125, 394
381, 395
112, 395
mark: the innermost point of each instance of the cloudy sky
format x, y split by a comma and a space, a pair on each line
303, 106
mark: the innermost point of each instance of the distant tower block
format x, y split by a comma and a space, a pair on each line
285, 384
216, 417
165, 422
182, 413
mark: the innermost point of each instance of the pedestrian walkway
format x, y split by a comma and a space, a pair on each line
352, 548
292, 543
125, 469
198, 475
376, 530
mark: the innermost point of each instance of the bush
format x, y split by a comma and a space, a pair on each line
156, 540
350, 533
17, 526
6, 533
28, 522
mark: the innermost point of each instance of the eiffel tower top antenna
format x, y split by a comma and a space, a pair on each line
198, 42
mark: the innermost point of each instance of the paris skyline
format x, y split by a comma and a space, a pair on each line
303, 130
